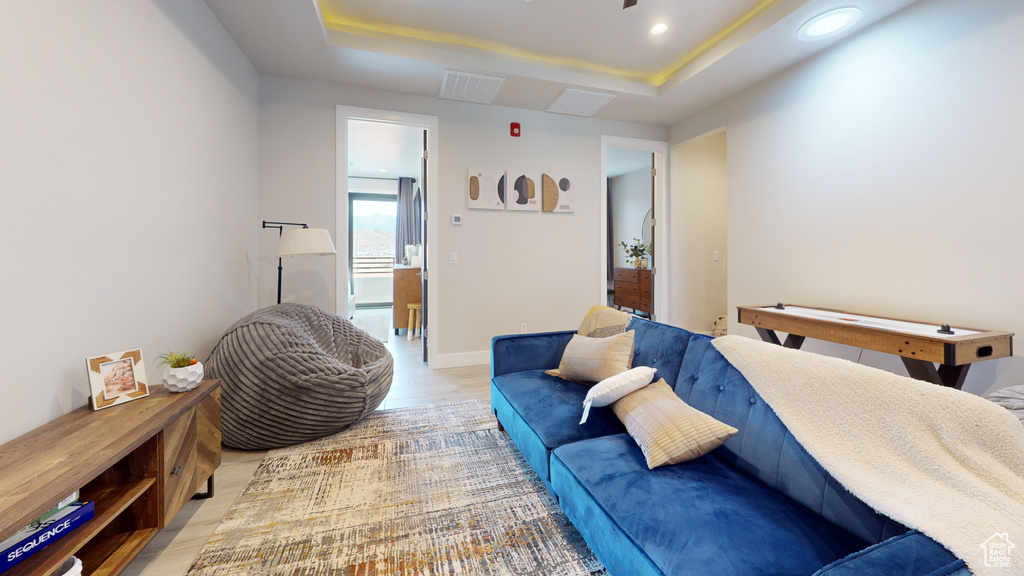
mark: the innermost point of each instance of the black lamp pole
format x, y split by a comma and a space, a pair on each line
280, 230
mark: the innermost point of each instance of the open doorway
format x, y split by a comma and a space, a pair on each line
384, 223
633, 184
384, 179
629, 177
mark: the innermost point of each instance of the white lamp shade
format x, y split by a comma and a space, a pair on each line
305, 242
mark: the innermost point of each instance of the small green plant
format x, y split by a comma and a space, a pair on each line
176, 359
636, 250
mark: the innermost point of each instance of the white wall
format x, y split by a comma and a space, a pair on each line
883, 176
128, 154
698, 224
513, 267
631, 200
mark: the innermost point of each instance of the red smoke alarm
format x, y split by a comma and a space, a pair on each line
514, 129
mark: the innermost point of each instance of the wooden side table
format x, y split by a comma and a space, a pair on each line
408, 289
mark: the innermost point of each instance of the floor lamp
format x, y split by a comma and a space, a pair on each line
304, 241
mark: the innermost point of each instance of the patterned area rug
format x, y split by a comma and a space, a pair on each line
433, 490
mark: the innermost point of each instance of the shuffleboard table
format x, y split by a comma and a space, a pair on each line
935, 353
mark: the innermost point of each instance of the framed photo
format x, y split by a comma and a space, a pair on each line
117, 378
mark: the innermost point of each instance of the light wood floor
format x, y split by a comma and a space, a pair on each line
172, 551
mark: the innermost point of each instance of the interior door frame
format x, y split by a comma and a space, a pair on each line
430, 123
662, 254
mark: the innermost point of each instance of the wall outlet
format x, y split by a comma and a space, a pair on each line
453, 257
522, 327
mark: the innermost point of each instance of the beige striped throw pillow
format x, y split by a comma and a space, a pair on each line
668, 430
594, 359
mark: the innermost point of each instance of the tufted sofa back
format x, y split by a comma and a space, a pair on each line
764, 448
659, 346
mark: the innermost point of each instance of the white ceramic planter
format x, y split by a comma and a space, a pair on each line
183, 379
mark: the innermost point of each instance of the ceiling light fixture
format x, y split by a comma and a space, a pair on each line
829, 24
659, 28
383, 170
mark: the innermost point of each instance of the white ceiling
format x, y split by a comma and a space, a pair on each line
712, 49
383, 150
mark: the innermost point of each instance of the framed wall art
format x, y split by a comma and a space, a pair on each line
486, 189
524, 191
116, 378
558, 194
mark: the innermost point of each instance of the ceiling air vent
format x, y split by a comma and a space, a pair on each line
579, 102
470, 87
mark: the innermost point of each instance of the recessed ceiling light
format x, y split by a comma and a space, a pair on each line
659, 28
828, 24
383, 170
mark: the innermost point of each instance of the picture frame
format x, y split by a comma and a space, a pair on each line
116, 378
523, 193
486, 189
558, 194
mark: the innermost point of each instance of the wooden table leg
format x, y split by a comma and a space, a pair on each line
951, 376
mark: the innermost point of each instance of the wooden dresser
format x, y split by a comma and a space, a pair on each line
140, 462
633, 289
407, 290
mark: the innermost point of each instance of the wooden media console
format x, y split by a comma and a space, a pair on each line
140, 462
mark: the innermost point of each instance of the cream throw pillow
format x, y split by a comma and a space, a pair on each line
594, 359
668, 430
611, 389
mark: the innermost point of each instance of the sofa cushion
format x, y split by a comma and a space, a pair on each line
668, 430
594, 359
764, 448
611, 389
550, 407
696, 518
908, 554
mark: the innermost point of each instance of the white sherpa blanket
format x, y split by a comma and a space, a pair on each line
1012, 399
942, 461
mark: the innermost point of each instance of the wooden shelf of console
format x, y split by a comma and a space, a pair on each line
139, 462
920, 345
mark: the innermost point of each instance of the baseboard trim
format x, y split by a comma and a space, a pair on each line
462, 359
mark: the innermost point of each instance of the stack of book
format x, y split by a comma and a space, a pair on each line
69, 514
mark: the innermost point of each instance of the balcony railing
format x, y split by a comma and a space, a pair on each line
372, 266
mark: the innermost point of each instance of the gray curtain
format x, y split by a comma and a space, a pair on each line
407, 227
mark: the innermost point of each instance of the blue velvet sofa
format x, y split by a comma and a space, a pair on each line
757, 505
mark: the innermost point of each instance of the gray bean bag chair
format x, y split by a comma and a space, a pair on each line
292, 373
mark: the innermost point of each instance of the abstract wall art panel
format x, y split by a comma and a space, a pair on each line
486, 189
558, 194
524, 193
